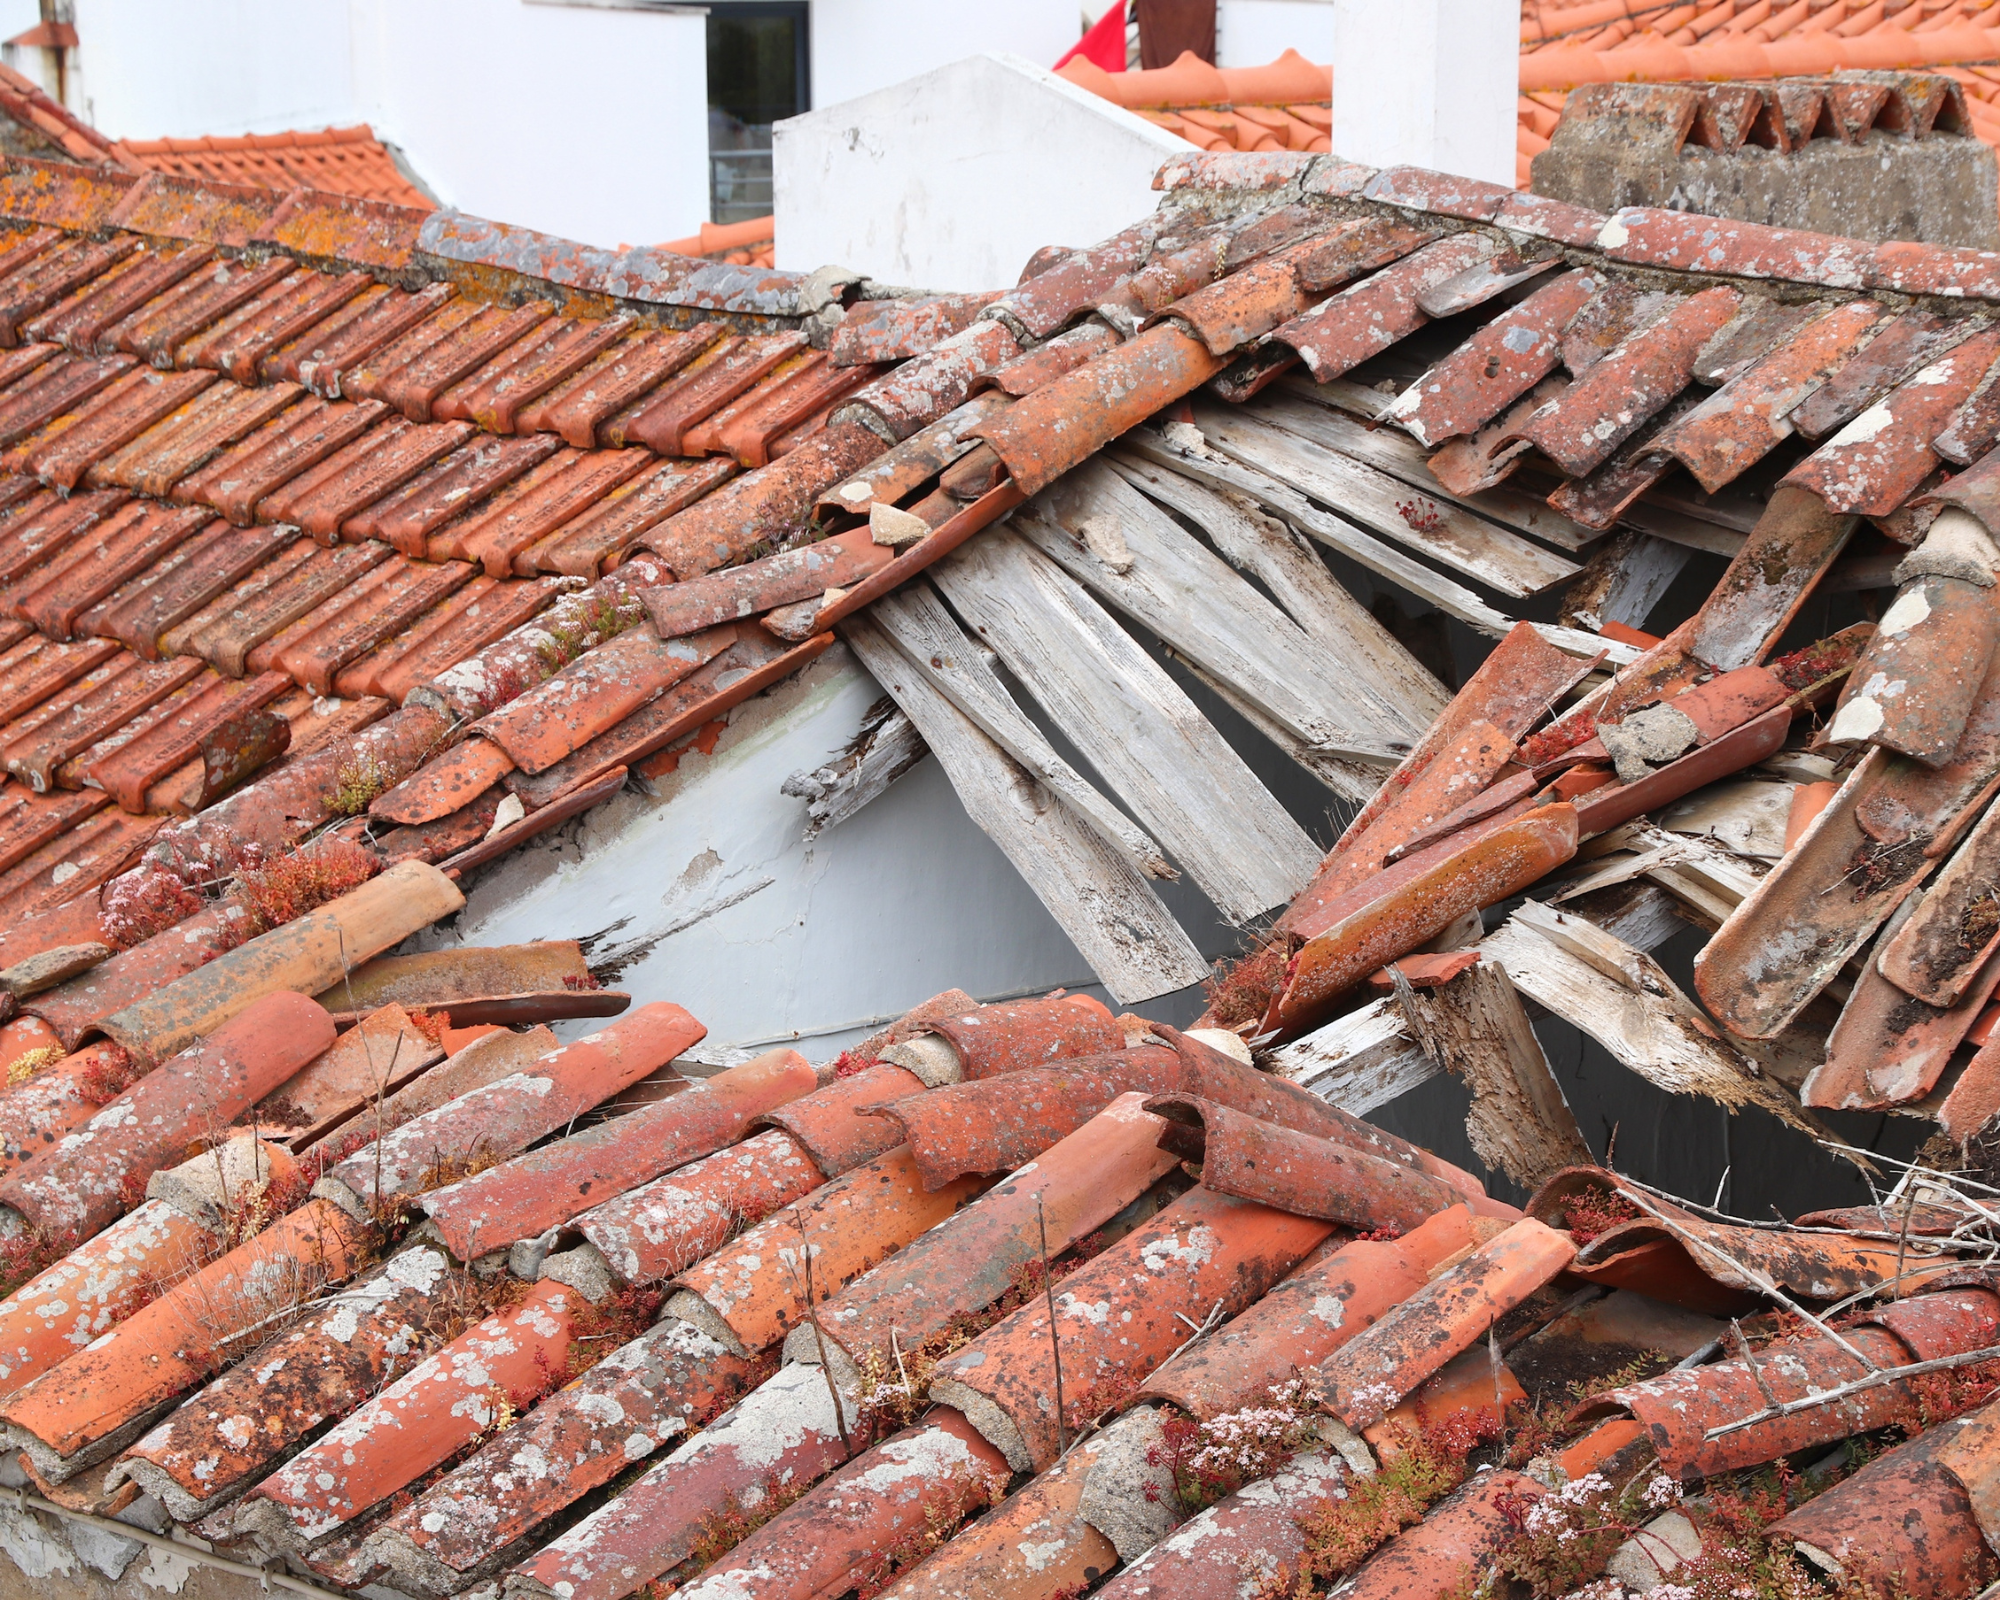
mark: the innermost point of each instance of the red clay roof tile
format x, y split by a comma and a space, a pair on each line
494, 395
240, 343
524, 1197
751, 1293
445, 1402
79, 321
655, 1230
669, 1381
79, 1184
236, 1427
350, 161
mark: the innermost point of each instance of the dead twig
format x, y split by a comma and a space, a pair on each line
1874, 1380
1750, 1360
819, 1341
1903, 1233
1764, 1285
368, 1055
1499, 1389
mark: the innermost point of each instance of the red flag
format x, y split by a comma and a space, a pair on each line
1104, 44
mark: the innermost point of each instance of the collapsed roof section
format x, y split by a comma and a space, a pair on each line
308, 480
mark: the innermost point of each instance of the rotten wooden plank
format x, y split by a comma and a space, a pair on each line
1124, 549
937, 649
1476, 1028
1221, 472
1259, 544
1391, 450
1351, 780
1626, 1001
1424, 522
883, 748
1366, 1058
1183, 782
1624, 580
1108, 910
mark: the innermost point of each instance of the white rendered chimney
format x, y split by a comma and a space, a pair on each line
1428, 83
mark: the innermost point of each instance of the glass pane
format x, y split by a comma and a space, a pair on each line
753, 62
755, 58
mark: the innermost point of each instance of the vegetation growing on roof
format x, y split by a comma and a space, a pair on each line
29, 1062
292, 885
1361, 1515
1215, 1457
895, 1388
1241, 992
357, 784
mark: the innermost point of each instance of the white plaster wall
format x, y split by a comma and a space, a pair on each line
1434, 83
153, 69
18, 16
589, 122
952, 179
859, 46
1254, 33
903, 900
585, 121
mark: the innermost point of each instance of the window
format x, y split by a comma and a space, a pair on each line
758, 73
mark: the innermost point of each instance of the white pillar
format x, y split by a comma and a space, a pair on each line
1428, 83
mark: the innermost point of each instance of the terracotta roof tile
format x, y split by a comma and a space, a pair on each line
350, 161
444, 1402
661, 1386
530, 1194
199, 1454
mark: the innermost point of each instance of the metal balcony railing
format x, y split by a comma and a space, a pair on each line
739, 184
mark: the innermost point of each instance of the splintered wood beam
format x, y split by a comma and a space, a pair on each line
1426, 522
1476, 1028
1396, 453
1095, 895
1127, 551
1116, 704
1367, 1058
886, 746
1218, 471
1259, 544
937, 649
1625, 1000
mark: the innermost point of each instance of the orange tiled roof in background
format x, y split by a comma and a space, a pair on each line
1285, 106
41, 115
350, 161
740, 244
